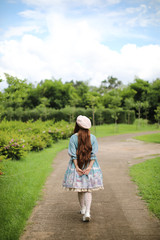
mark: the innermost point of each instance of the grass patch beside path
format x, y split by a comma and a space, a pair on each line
146, 176
110, 129
21, 187
155, 138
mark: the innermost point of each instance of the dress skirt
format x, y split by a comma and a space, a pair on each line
74, 182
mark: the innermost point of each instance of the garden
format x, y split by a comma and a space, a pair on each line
37, 121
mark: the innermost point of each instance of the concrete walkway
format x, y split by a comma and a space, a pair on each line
118, 213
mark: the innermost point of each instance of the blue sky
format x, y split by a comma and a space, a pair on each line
80, 40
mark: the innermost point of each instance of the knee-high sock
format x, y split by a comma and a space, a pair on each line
88, 201
81, 199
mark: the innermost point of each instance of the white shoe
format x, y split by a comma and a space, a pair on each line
86, 217
82, 211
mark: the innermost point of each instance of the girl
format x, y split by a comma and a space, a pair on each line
83, 174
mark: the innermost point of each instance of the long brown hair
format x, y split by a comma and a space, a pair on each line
84, 146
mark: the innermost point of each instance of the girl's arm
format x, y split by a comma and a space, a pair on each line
79, 171
88, 169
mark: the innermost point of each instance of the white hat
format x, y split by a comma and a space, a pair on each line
83, 122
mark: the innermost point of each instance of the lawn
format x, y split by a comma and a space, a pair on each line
20, 188
147, 176
155, 138
111, 129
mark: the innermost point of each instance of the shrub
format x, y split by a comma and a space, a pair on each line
16, 137
15, 149
68, 114
107, 116
37, 143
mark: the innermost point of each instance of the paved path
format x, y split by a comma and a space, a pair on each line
117, 212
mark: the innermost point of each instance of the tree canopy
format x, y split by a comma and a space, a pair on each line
140, 95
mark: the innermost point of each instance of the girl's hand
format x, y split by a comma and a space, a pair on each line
79, 171
87, 170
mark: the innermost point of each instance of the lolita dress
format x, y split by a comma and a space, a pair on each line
72, 180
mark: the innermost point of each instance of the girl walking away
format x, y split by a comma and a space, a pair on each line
83, 174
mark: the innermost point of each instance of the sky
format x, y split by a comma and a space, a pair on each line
87, 40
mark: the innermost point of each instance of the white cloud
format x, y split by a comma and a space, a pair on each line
140, 9
73, 50
19, 31
109, 22
32, 14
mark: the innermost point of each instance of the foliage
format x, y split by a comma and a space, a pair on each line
129, 104
24, 101
17, 138
157, 115
110, 83
69, 114
141, 89
15, 149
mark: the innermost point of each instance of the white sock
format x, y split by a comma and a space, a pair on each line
88, 201
81, 199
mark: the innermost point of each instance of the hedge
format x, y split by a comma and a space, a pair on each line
68, 114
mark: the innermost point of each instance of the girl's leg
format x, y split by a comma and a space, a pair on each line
81, 202
88, 201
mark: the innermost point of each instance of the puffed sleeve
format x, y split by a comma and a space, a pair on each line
72, 148
94, 148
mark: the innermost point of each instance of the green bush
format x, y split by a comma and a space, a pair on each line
17, 138
37, 143
60, 130
68, 114
107, 116
15, 149
99, 119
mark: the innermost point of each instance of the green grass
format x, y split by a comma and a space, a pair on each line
155, 138
147, 177
108, 130
20, 188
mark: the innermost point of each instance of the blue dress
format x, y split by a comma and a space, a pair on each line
72, 180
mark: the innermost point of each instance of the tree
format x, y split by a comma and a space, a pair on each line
153, 98
113, 82
129, 104
157, 115
138, 106
109, 84
82, 90
103, 87
34, 98
16, 92
146, 107
141, 89
106, 100
115, 106
93, 101
125, 93
57, 93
